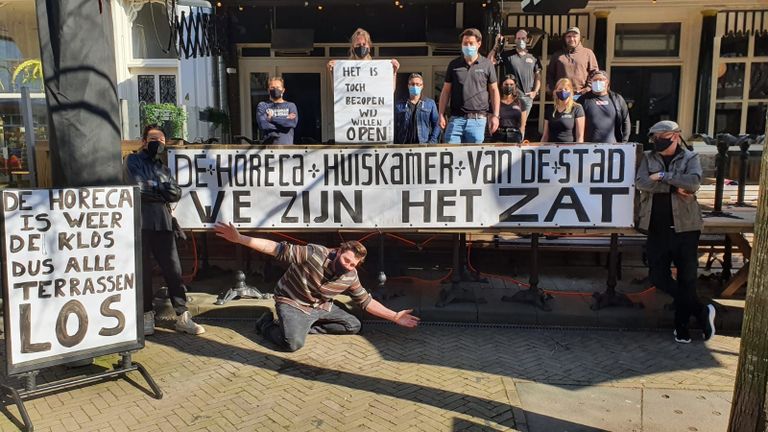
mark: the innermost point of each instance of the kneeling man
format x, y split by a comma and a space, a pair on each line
304, 294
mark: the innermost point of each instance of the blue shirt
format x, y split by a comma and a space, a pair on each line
276, 127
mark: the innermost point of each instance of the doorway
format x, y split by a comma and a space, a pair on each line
652, 94
303, 89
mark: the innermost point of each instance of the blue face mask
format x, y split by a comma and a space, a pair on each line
563, 95
468, 50
414, 90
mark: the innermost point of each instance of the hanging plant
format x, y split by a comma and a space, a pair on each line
168, 115
218, 117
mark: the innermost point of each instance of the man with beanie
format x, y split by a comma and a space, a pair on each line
575, 62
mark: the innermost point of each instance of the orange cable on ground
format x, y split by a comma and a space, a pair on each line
290, 238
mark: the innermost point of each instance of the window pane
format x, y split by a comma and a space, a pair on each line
756, 118
730, 81
647, 40
258, 94
758, 81
727, 118
168, 89
734, 46
19, 48
761, 45
147, 89
151, 33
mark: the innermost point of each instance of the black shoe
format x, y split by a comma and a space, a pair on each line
708, 321
265, 319
682, 335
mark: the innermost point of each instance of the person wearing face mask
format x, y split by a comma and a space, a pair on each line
416, 118
361, 48
277, 118
158, 189
668, 177
304, 294
606, 112
471, 88
525, 67
575, 62
564, 123
512, 117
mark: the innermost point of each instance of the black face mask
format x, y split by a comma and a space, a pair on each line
661, 144
154, 148
275, 93
360, 51
507, 90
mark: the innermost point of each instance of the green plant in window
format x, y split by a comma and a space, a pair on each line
30, 70
171, 117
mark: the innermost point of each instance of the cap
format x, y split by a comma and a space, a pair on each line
664, 126
573, 29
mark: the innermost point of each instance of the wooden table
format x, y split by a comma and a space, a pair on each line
734, 229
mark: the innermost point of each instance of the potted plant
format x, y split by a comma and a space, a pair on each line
171, 117
218, 117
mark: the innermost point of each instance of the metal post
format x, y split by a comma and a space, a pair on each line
744, 157
29, 133
720, 161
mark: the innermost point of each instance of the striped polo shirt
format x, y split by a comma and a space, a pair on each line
310, 283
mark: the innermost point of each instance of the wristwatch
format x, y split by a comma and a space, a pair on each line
661, 175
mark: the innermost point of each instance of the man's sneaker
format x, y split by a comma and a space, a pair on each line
682, 336
185, 324
265, 319
708, 321
149, 323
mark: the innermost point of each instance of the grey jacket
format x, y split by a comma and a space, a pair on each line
684, 172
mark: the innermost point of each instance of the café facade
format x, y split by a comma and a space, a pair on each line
703, 63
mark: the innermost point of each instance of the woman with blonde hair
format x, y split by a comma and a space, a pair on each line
565, 123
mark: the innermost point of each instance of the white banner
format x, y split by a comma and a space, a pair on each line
70, 275
364, 101
449, 187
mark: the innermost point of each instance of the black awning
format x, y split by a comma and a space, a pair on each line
552, 6
744, 22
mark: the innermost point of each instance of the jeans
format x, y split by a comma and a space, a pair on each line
664, 248
465, 130
292, 326
526, 103
162, 245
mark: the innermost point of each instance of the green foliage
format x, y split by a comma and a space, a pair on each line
219, 118
168, 115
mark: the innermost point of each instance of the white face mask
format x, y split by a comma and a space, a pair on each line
598, 86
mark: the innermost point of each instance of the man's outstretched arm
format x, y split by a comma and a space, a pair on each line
229, 232
403, 318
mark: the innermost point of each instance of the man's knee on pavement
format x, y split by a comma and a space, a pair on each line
353, 325
293, 344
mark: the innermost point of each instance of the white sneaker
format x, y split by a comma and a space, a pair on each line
185, 324
149, 323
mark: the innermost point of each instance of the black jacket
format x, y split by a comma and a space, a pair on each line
158, 189
623, 127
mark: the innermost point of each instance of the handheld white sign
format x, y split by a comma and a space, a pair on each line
363, 101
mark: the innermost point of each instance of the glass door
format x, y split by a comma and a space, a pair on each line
652, 95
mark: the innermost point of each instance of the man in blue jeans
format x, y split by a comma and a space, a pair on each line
416, 118
304, 294
472, 89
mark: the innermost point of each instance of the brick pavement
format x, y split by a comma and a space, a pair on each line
435, 378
